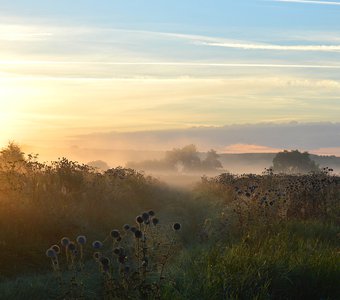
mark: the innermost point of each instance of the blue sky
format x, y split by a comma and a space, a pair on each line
160, 65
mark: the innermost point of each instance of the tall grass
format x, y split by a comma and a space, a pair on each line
298, 260
242, 237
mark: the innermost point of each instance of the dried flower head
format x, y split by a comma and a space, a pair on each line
51, 253
133, 229
115, 234
138, 234
126, 227
104, 261
81, 240
56, 248
155, 221
139, 219
97, 244
176, 226
71, 246
151, 213
65, 241
145, 216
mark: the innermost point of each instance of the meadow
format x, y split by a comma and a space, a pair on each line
69, 231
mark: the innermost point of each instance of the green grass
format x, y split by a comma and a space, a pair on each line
288, 261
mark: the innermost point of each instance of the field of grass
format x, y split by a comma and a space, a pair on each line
240, 237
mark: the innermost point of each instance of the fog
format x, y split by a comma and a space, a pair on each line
235, 163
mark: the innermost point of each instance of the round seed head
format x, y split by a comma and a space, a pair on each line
81, 240
138, 234
119, 239
65, 241
155, 221
51, 253
97, 244
145, 216
56, 248
104, 261
133, 229
71, 246
126, 227
115, 234
139, 219
151, 213
177, 226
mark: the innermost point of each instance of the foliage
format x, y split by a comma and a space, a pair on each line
131, 261
294, 162
297, 260
44, 201
269, 236
186, 159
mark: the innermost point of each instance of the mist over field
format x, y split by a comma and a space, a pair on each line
181, 150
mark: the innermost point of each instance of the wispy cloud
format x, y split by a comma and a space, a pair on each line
189, 64
250, 46
310, 2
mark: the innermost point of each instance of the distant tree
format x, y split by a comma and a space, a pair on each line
99, 164
293, 162
211, 162
186, 157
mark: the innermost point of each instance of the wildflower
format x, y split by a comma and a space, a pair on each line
155, 221
145, 216
97, 244
126, 227
81, 240
71, 246
177, 226
139, 219
115, 234
151, 213
51, 253
133, 229
104, 261
138, 234
56, 248
65, 241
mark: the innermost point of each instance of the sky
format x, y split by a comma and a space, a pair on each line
74, 69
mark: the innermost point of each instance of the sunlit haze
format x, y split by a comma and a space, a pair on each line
80, 69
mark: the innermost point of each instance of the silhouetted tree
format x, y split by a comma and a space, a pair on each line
186, 156
293, 162
211, 162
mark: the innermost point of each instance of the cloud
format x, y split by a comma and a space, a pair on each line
310, 2
248, 46
327, 151
247, 148
261, 136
